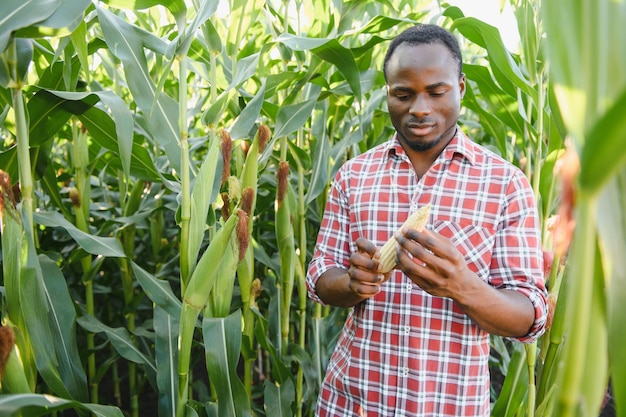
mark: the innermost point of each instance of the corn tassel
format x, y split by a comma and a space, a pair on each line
417, 220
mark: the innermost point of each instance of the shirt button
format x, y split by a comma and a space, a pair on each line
409, 287
405, 371
407, 329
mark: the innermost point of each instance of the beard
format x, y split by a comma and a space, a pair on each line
421, 146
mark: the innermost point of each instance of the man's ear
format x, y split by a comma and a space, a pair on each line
462, 85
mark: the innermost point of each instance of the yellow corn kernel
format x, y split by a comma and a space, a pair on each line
417, 220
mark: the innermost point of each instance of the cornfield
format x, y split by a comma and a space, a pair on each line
164, 166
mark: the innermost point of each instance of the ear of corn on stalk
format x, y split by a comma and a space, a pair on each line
417, 220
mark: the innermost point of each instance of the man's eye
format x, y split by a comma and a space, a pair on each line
403, 97
437, 93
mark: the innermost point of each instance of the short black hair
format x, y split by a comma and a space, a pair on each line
426, 34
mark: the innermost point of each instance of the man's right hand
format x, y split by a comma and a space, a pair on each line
346, 288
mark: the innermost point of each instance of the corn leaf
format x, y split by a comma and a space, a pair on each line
612, 236
62, 321
121, 341
515, 386
166, 351
243, 14
222, 343
330, 50
12, 235
292, 117
102, 129
96, 245
65, 18
320, 155
48, 113
174, 6
158, 290
43, 323
506, 71
121, 115
127, 42
248, 116
33, 405
16, 14
279, 398
604, 153
205, 189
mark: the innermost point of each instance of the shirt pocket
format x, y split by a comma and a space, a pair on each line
475, 242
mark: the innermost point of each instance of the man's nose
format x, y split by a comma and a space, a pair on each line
420, 105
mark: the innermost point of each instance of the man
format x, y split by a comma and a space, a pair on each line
416, 341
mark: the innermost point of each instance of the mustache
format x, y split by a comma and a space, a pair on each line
420, 121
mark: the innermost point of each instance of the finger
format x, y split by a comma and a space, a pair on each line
363, 261
434, 243
363, 289
367, 274
366, 246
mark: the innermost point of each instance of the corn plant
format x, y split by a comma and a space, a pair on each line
591, 107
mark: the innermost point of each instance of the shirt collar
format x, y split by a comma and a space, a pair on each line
459, 145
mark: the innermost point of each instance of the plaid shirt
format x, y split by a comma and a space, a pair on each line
405, 352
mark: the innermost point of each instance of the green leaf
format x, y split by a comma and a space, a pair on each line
127, 42
65, 18
247, 118
14, 63
158, 290
505, 69
102, 129
42, 324
120, 339
33, 405
49, 113
243, 14
166, 329
279, 398
62, 319
206, 10
292, 117
515, 386
604, 153
500, 104
320, 155
16, 14
96, 245
380, 24
12, 235
174, 6
121, 115
612, 237
280, 371
330, 50
222, 343
203, 194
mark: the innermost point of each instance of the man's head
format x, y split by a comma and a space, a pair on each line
424, 88
424, 34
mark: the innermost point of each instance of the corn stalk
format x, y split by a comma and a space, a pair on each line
591, 110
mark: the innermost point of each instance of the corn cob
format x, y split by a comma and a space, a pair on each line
417, 220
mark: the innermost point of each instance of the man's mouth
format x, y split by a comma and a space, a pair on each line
420, 129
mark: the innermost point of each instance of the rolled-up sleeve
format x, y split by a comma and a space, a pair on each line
517, 259
332, 249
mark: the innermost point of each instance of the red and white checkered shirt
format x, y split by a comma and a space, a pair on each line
405, 352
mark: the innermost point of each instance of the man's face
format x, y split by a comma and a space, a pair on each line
424, 92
